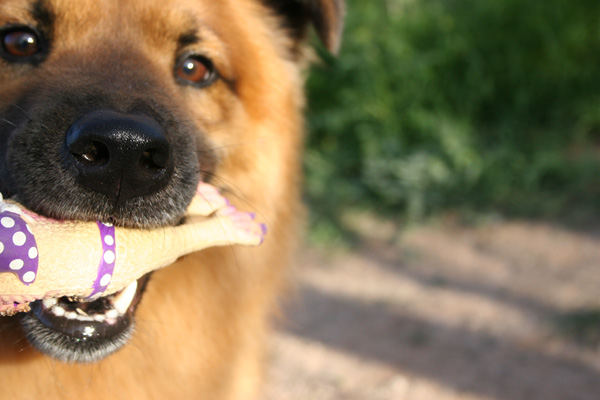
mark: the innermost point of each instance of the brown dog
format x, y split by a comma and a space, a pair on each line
115, 110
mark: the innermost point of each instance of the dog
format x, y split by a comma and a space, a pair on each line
115, 110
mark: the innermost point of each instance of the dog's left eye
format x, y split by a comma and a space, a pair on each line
195, 70
21, 44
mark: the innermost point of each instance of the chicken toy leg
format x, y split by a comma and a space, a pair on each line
43, 258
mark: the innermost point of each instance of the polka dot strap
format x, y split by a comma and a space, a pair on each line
107, 263
18, 248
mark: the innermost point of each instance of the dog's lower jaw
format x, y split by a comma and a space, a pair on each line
83, 332
70, 349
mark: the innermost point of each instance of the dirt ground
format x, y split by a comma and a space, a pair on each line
504, 311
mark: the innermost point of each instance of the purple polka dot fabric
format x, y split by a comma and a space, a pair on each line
107, 262
18, 249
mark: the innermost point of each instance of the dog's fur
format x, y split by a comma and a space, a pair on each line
201, 324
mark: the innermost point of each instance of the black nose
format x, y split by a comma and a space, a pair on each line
118, 155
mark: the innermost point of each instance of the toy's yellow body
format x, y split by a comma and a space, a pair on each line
90, 259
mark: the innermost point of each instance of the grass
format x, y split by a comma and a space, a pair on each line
457, 105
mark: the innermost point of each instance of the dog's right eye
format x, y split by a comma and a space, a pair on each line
195, 70
20, 44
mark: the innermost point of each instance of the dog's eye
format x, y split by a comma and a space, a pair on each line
20, 44
195, 70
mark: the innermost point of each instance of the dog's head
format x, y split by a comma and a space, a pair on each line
115, 110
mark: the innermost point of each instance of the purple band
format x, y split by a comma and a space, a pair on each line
107, 263
18, 249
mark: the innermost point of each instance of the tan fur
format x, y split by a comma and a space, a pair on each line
202, 323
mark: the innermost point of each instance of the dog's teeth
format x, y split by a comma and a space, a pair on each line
71, 315
48, 303
58, 311
120, 304
80, 311
123, 300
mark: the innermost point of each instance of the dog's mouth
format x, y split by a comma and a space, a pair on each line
76, 330
82, 327
73, 330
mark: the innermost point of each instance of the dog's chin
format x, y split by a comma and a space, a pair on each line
75, 331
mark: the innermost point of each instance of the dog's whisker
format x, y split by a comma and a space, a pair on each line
20, 340
25, 113
239, 144
234, 191
8, 122
232, 249
230, 187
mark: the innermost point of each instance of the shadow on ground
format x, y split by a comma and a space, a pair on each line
445, 313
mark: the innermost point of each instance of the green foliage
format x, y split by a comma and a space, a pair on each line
463, 104
582, 326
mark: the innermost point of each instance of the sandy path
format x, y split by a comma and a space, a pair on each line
445, 313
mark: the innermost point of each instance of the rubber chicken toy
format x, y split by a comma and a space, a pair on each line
44, 258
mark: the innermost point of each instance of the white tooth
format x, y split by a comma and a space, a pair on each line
47, 303
58, 311
71, 315
84, 318
112, 314
123, 300
99, 317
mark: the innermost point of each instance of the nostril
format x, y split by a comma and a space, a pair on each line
154, 160
92, 153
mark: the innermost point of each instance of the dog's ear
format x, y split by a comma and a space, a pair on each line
327, 16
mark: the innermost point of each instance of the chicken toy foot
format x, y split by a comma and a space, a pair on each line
45, 258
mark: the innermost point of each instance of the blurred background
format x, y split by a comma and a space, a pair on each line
453, 178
